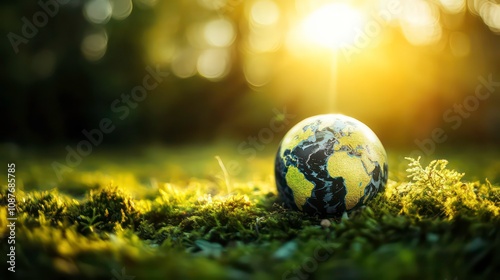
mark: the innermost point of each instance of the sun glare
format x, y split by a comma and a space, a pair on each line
333, 25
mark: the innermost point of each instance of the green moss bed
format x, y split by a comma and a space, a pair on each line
429, 223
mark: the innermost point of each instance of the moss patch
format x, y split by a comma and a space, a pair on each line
434, 225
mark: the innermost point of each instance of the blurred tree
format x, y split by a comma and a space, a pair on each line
232, 62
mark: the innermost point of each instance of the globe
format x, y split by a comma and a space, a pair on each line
327, 165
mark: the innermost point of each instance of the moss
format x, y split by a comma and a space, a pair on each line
435, 191
107, 208
49, 208
434, 226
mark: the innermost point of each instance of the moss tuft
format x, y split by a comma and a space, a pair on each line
107, 208
435, 191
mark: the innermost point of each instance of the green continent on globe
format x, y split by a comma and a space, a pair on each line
301, 187
330, 164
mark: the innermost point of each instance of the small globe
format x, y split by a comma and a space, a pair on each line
330, 164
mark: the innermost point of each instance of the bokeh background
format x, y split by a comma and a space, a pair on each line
231, 62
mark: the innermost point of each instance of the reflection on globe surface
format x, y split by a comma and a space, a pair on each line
329, 164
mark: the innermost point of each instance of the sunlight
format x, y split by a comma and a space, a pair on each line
333, 25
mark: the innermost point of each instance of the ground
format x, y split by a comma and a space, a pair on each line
204, 213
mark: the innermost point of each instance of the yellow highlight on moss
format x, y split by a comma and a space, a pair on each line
300, 186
